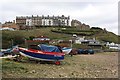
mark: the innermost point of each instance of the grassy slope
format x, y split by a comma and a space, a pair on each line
99, 34
109, 36
8, 35
36, 32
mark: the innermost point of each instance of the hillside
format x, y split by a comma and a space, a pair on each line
19, 37
98, 33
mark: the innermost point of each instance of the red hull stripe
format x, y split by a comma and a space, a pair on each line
41, 52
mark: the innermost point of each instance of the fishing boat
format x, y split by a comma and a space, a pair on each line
45, 52
9, 50
66, 50
6, 50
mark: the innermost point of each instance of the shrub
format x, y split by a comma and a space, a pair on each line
31, 37
18, 40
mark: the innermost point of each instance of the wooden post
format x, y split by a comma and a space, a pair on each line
11, 43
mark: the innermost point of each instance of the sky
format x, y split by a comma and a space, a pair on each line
96, 13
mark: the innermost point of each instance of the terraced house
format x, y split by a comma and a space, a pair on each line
42, 20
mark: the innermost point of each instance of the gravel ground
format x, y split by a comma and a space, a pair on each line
99, 65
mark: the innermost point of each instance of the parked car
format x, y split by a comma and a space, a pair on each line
80, 51
90, 51
85, 51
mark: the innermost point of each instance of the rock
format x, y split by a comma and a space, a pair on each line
72, 73
106, 68
65, 76
96, 75
113, 71
97, 71
61, 75
33, 71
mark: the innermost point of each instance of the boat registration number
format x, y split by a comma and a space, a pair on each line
57, 56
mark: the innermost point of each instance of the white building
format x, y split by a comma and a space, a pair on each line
29, 22
80, 40
43, 20
113, 45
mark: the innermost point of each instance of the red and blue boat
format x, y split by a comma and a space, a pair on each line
45, 52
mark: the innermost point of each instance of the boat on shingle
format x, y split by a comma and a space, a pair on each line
45, 52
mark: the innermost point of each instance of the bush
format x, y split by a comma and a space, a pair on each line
6, 44
8, 36
31, 37
18, 40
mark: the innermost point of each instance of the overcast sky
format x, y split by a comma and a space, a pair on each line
96, 13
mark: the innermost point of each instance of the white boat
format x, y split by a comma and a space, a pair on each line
66, 50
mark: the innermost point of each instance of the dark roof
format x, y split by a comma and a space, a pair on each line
94, 45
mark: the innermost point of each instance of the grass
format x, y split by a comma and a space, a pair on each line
74, 31
19, 36
36, 32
